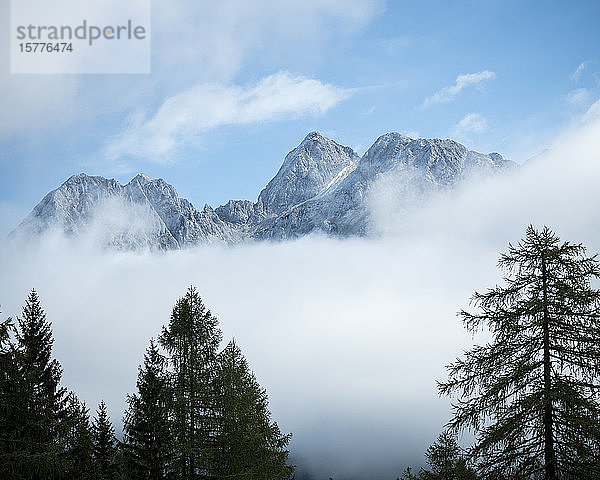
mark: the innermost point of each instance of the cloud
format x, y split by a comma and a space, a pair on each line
578, 98
193, 41
593, 113
548, 189
369, 111
338, 332
448, 94
220, 37
471, 123
183, 117
578, 71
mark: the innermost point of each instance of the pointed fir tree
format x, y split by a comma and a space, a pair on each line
103, 444
77, 442
10, 402
249, 445
445, 461
191, 341
41, 406
147, 436
531, 393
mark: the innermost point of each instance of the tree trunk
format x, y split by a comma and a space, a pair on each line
549, 454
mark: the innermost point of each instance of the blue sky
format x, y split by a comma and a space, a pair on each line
236, 85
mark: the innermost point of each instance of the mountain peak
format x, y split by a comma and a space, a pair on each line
141, 178
394, 136
307, 170
314, 137
78, 178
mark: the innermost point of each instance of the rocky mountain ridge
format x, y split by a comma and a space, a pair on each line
322, 186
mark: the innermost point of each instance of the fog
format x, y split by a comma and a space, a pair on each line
347, 336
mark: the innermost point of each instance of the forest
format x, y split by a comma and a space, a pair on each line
529, 395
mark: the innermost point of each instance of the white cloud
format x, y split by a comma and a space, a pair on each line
182, 117
593, 113
193, 41
579, 98
217, 38
369, 111
471, 123
578, 71
448, 94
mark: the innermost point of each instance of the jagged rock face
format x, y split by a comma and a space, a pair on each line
417, 165
142, 214
321, 187
307, 170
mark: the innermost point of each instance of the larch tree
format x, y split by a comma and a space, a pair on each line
191, 341
531, 393
249, 444
147, 435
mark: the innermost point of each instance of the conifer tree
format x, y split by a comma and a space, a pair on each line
147, 438
41, 401
531, 393
445, 461
77, 442
249, 444
103, 444
191, 341
10, 402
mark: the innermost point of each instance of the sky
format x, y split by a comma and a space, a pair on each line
234, 86
348, 336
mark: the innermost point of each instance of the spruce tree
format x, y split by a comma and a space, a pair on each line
10, 402
41, 403
445, 461
249, 444
103, 444
147, 438
191, 341
77, 442
531, 393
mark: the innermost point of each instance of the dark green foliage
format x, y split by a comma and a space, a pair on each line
147, 439
531, 394
103, 444
445, 461
10, 406
249, 445
408, 475
76, 439
198, 414
221, 426
38, 406
191, 341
